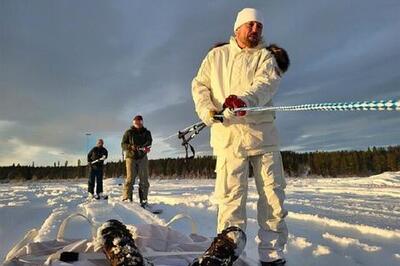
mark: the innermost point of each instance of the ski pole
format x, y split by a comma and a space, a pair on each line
188, 133
98, 160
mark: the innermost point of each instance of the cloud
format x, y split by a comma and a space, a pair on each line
69, 68
15, 151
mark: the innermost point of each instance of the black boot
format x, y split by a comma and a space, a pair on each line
142, 198
280, 262
144, 204
223, 250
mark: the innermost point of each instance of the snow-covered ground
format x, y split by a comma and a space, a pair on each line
346, 221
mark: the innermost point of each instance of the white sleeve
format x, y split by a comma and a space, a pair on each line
265, 83
201, 89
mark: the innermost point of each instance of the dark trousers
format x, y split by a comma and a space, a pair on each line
95, 175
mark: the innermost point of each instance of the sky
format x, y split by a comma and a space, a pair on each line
68, 68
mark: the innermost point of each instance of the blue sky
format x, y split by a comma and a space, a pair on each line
71, 67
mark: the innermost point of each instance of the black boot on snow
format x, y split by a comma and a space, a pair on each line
118, 245
224, 250
144, 204
280, 262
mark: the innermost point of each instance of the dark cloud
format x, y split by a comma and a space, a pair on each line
70, 67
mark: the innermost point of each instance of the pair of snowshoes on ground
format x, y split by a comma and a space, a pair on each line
120, 249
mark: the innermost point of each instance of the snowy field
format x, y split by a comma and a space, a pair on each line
348, 221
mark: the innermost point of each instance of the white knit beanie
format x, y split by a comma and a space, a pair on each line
246, 15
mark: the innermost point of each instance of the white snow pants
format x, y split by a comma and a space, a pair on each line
231, 195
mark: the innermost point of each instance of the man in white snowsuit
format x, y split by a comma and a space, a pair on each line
244, 73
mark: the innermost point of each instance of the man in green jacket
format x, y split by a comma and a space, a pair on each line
136, 143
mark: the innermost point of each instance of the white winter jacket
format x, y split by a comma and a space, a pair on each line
250, 74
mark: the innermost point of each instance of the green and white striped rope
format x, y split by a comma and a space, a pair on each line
190, 132
384, 105
388, 105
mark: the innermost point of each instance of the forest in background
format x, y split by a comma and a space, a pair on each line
309, 164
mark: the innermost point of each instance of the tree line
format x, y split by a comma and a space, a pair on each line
309, 164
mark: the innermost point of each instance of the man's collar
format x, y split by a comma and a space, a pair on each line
138, 129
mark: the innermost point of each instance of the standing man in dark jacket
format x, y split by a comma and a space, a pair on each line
95, 159
136, 143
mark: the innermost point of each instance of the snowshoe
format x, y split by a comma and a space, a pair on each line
150, 208
118, 245
280, 262
224, 250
